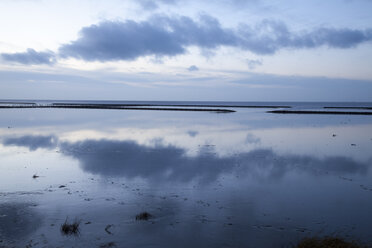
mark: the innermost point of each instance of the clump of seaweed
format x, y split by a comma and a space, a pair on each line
326, 242
70, 228
143, 216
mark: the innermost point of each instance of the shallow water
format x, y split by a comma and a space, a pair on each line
243, 179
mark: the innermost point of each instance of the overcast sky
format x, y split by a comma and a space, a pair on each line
227, 50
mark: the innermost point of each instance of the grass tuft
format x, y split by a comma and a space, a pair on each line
70, 228
143, 216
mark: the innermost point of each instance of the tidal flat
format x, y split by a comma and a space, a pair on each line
107, 178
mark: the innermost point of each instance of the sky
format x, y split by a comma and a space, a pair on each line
216, 50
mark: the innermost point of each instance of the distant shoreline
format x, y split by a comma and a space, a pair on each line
161, 107
176, 105
216, 108
109, 105
119, 107
348, 108
318, 112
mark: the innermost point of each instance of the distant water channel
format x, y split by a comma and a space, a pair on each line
242, 179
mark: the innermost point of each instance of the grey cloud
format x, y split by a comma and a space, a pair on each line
270, 36
30, 57
253, 63
193, 68
159, 36
165, 36
340, 38
122, 41
152, 4
192, 133
148, 4
251, 139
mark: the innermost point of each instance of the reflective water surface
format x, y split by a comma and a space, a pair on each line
245, 179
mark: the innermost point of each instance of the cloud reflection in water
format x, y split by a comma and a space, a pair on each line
236, 214
171, 163
32, 142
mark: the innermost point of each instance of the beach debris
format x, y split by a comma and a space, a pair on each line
62, 186
346, 179
108, 245
107, 229
70, 228
326, 242
364, 187
353, 144
334, 135
35, 176
301, 229
143, 216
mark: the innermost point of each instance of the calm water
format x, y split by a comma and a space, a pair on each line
243, 179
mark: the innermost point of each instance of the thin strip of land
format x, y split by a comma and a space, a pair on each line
119, 107
19, 103
177, 105
319, 112
348, 108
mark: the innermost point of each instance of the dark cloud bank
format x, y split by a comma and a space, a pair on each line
171, 36
165, 36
